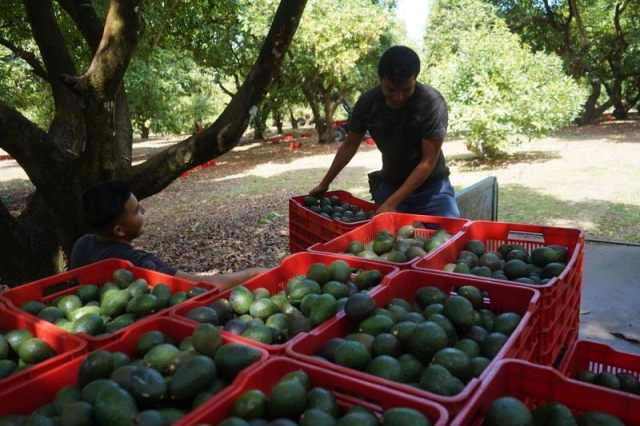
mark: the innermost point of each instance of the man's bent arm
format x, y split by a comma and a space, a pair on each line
223, 281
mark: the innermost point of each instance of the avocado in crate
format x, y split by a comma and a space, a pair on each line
30, 347
403, 245
159, 373
520, 392
286, 391
102, 308
511, 262
275, 315
509, 410
602, 365
427, 334
437, 341
334, 208
19, 349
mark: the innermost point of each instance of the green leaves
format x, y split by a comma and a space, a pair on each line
498, 91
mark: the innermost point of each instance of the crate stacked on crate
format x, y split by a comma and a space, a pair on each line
30, 347
329, 397
602, 365
175, 385
283, 309
321, 347
537, 386
99, 300
410, 237
308, 227
559, 297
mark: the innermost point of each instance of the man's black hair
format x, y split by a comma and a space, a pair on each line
398, 64
103, 202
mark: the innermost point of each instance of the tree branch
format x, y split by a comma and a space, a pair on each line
159, 171
85, 18
28, 57
32, 147
121, 34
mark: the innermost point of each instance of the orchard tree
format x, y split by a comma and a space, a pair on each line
330, 48
497, 90
89, 138
598, 41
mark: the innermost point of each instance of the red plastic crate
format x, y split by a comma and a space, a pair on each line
307, 228
404, 284
26, 397
559, 298
536, 385
391, 222
275, 281
598, 357
48, 289
66, 345
348, 392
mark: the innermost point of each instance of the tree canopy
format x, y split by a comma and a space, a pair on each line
598, 41
496, 88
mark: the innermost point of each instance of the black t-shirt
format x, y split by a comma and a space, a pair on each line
89, 250
399, 133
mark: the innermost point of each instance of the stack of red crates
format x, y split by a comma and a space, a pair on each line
559, 315
536, 385
348, 391
25, 397
307, 228
404, 284
275, 281
47, 290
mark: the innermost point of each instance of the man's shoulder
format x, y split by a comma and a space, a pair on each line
429, 92
85, 240
371, 94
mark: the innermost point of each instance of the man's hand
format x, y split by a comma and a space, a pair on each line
386, 208
319, 190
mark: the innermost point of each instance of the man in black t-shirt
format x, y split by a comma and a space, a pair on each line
408, 121
115, 215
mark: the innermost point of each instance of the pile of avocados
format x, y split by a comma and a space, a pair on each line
305, 302
20, 349
508, 410
622, 380
333, 208
99, 310
293, 400
511, 262
405, 245
159, 384
436, 342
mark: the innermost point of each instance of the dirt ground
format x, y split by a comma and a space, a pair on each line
234, 214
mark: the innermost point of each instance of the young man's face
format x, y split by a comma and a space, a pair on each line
130, 221
396, 95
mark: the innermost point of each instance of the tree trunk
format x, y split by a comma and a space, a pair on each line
277, 120
91, 136
592, 111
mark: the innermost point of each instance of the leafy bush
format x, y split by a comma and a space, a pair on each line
497, 90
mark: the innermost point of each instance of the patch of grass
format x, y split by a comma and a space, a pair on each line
599, 219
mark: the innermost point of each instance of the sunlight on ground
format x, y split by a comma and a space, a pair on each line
585, 225
271, 168
246, 147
